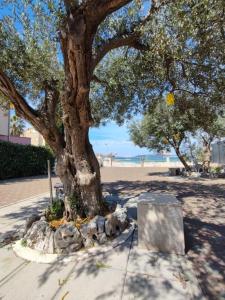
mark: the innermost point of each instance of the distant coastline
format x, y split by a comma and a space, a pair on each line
150, 160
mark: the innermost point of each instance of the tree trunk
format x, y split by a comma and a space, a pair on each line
182, 159
79, 172
206, 156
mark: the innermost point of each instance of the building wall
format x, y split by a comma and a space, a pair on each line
218, 152
4, 122
16, 139
36, 138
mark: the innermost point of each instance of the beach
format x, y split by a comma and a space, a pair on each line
177, 164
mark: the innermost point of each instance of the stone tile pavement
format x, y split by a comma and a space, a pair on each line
124, 273
15, 190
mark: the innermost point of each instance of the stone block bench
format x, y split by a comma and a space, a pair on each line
174, 171
160, 223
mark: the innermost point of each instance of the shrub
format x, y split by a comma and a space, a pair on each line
23, 243
55, 211
23, 160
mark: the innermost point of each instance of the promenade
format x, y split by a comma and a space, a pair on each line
204, 215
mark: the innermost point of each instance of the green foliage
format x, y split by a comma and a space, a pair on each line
164, 127
216, 170
75, 202
23, 160
55, 211
23, 243
29, 47
17, 126
185, 41
194, 150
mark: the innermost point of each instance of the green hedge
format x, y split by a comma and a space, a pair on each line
23, 160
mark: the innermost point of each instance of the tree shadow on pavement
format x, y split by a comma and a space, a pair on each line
106, 276
28, 209
204, 215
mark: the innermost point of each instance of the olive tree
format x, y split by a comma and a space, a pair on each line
49, 51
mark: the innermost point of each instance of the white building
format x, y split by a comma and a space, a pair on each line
4, 122
36, 138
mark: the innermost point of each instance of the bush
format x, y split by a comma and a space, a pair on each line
55, 211
23, 160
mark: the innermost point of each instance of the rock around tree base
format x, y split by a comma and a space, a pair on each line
67, 238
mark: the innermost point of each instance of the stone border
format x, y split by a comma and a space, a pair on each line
39, 257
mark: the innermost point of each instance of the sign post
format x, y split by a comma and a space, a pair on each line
50, 182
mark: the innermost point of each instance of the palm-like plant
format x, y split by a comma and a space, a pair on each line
17, 126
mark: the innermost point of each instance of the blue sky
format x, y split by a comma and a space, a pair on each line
114, 139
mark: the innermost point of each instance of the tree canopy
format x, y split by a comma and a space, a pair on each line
184, 54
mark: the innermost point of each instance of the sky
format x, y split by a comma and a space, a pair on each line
115, 139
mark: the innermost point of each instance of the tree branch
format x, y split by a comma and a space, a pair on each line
130, 40
103, 8
127, 38
23, 109
98, 80
10, 91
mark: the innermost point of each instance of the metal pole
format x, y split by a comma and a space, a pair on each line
50, 182
8, 123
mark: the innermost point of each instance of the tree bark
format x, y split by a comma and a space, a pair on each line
79, 171
206, 156
182, 159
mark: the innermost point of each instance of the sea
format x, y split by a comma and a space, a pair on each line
146, 158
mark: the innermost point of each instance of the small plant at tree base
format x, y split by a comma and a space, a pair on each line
216, 170
75, 204
24, 243
55, 211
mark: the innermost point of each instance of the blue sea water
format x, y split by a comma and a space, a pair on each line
147, 158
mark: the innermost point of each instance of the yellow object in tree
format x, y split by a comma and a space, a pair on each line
177, 137
165, 141
11, 105
170, 100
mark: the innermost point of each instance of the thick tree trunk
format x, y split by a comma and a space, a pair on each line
79, 172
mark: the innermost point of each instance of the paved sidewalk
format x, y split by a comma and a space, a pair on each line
203, 206
14, 215
123, 273
15, 190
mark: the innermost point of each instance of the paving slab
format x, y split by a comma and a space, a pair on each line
10, 264
144, 287
98, 277
12, 217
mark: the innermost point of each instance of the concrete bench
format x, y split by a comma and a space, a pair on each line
174, 171
160, 223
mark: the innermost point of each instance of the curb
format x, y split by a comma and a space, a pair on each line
39, 257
